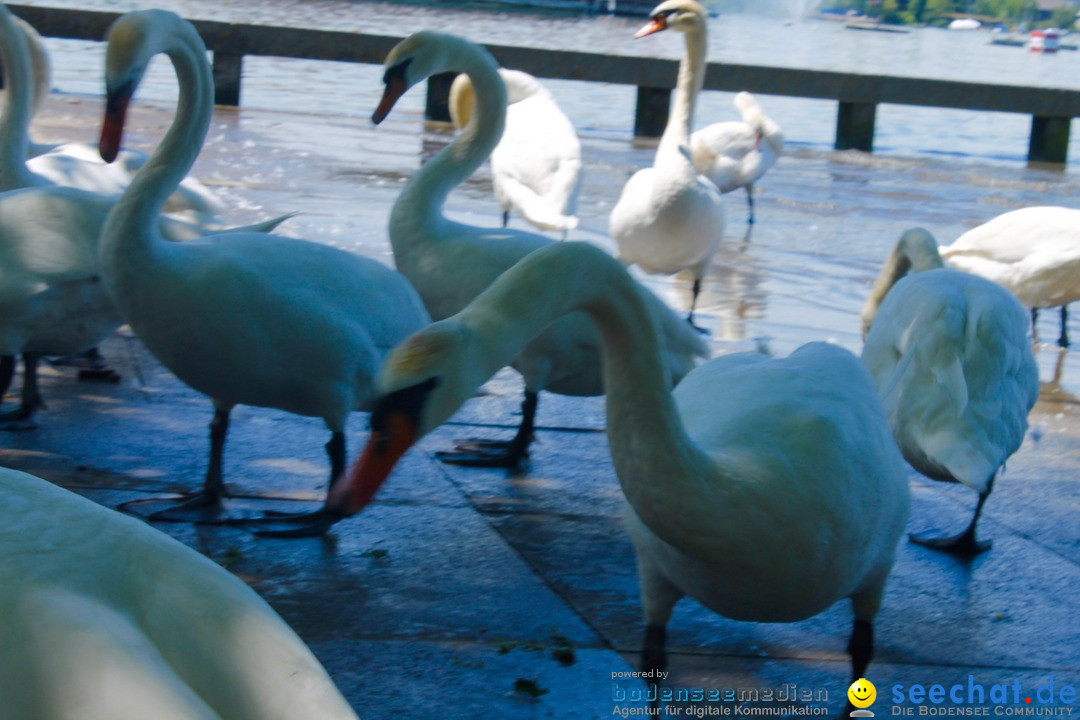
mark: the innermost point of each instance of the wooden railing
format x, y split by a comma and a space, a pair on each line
857, 95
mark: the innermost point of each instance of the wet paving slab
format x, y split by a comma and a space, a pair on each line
458, 593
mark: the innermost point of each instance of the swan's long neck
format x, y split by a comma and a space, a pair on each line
419, 206
659, 467
915, 252
690, 81
15, 119
131, 230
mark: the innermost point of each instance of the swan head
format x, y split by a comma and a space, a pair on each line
422, 383
680, 15
916, 251
415, 58
132, 42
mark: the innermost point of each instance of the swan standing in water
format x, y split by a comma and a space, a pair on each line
669, 217
450, 263
950, 354
767, 490
245, 318
736, 154
105, 618
536, 167
1033, 252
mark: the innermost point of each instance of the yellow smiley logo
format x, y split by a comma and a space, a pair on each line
862, 693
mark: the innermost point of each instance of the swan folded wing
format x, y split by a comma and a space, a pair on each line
51, 233
816, 504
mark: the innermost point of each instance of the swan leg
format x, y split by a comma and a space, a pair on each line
964, 543
310, 524
206, 506
92, 365
1035, 324
861, 649
693, 303
498, 453
22, 417
750, 202
1063, 341
7, 373
506, 218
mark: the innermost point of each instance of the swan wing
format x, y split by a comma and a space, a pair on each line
100, 600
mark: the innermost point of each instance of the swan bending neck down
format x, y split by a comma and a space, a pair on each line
765, 489
536, 167
950, 355
450, 263
105, 618
244, 318
668, 217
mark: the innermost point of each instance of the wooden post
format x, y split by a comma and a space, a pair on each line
855, 126
228, 68
1049, 139
651, 114
437, 106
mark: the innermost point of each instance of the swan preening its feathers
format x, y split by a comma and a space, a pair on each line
669, 217
736, 154
1033, 252
450, 263
245, 318
104, 618
536, 167
950, 353
765, 489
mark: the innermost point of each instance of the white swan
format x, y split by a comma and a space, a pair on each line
950, 354
1033, 252
536, 167
104, 618
51, 298
736, 154
765, 489
669, 217
245, 318
450, 263
71, 164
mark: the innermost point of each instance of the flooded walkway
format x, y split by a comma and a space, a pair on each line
465, 593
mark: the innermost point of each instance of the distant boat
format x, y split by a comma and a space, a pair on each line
1045, 41
875, 25
1008, 39
965, 24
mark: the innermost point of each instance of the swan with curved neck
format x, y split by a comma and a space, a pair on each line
245, 318
51, 299
75, 165
737, 154
765, 489
450, 263
669, 217
1033, 252
536, 167
102, 616
950, 354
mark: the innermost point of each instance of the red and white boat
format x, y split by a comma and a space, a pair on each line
1044, 41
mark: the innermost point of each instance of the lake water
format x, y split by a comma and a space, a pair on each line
739, 38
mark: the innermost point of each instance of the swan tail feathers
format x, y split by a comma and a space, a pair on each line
536, 209
683, 344
755, 117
